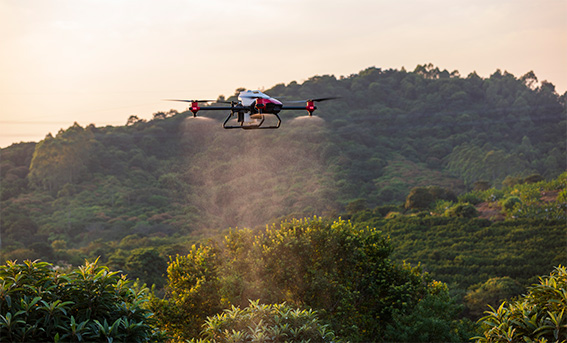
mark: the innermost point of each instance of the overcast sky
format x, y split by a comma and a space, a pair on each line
101, 61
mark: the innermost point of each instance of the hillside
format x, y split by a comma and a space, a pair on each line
143, 191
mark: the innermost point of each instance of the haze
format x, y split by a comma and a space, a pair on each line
102, 61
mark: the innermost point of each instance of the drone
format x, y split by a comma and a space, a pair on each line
252, 108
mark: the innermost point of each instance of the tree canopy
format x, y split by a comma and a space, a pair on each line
343, 272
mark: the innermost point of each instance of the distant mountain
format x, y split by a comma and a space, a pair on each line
390, 131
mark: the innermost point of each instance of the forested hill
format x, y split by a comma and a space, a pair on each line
390, 131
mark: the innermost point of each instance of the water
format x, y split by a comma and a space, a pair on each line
242, 178
307, 120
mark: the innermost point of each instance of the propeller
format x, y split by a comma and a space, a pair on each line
327, 98
213, 101
314, 100
190, 100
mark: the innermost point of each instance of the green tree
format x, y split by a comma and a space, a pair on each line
539, 316
266, 323
432, 320
91, 303
509, 203
192, 293
419, 198
463, 210
61, 160
493, 292
147, 265
335, 268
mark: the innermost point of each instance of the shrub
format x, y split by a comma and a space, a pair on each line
39, 304
510, 202
341, 271
266, 323
492, 292
539, 316
473, 198
432, 320
465, 210
419, 198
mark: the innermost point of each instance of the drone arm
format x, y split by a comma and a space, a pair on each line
293, 107
214, 108
196, 109
310, 107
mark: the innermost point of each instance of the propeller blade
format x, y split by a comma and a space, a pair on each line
314, 100
189, 100
323, 99
224, 102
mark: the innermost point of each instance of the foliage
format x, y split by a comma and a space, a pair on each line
193, 293
266, 323
419, 198
340, 271
468, 250
431, 321
509, 203
146, 264
465, 210
539, 316
148, 190
391, 131
424, 197
38, 303
491, 293
61, 160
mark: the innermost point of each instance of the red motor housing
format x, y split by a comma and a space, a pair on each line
194, 108
310, 107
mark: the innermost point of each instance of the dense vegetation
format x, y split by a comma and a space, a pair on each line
342, 272
447, 240
392, 130
538, 316
464, 174
266, 323
91, 303
37, 303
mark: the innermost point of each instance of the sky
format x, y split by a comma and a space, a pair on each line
101, 61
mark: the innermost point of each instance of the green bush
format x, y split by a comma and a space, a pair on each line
509, 203
465, 210
472, 197
492, 292
539, 316
266, 323
39, 304
432, 320
341, 271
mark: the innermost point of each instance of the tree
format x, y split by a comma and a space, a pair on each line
432, 320
356, 206
159, 115
266, 323
539, 316
493, 292
91, 303
419, 198
61, 160
481, 185
147, 265
133, 120
335, 268
192, 293
463, 210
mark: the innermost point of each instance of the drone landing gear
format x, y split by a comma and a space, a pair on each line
248, 124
